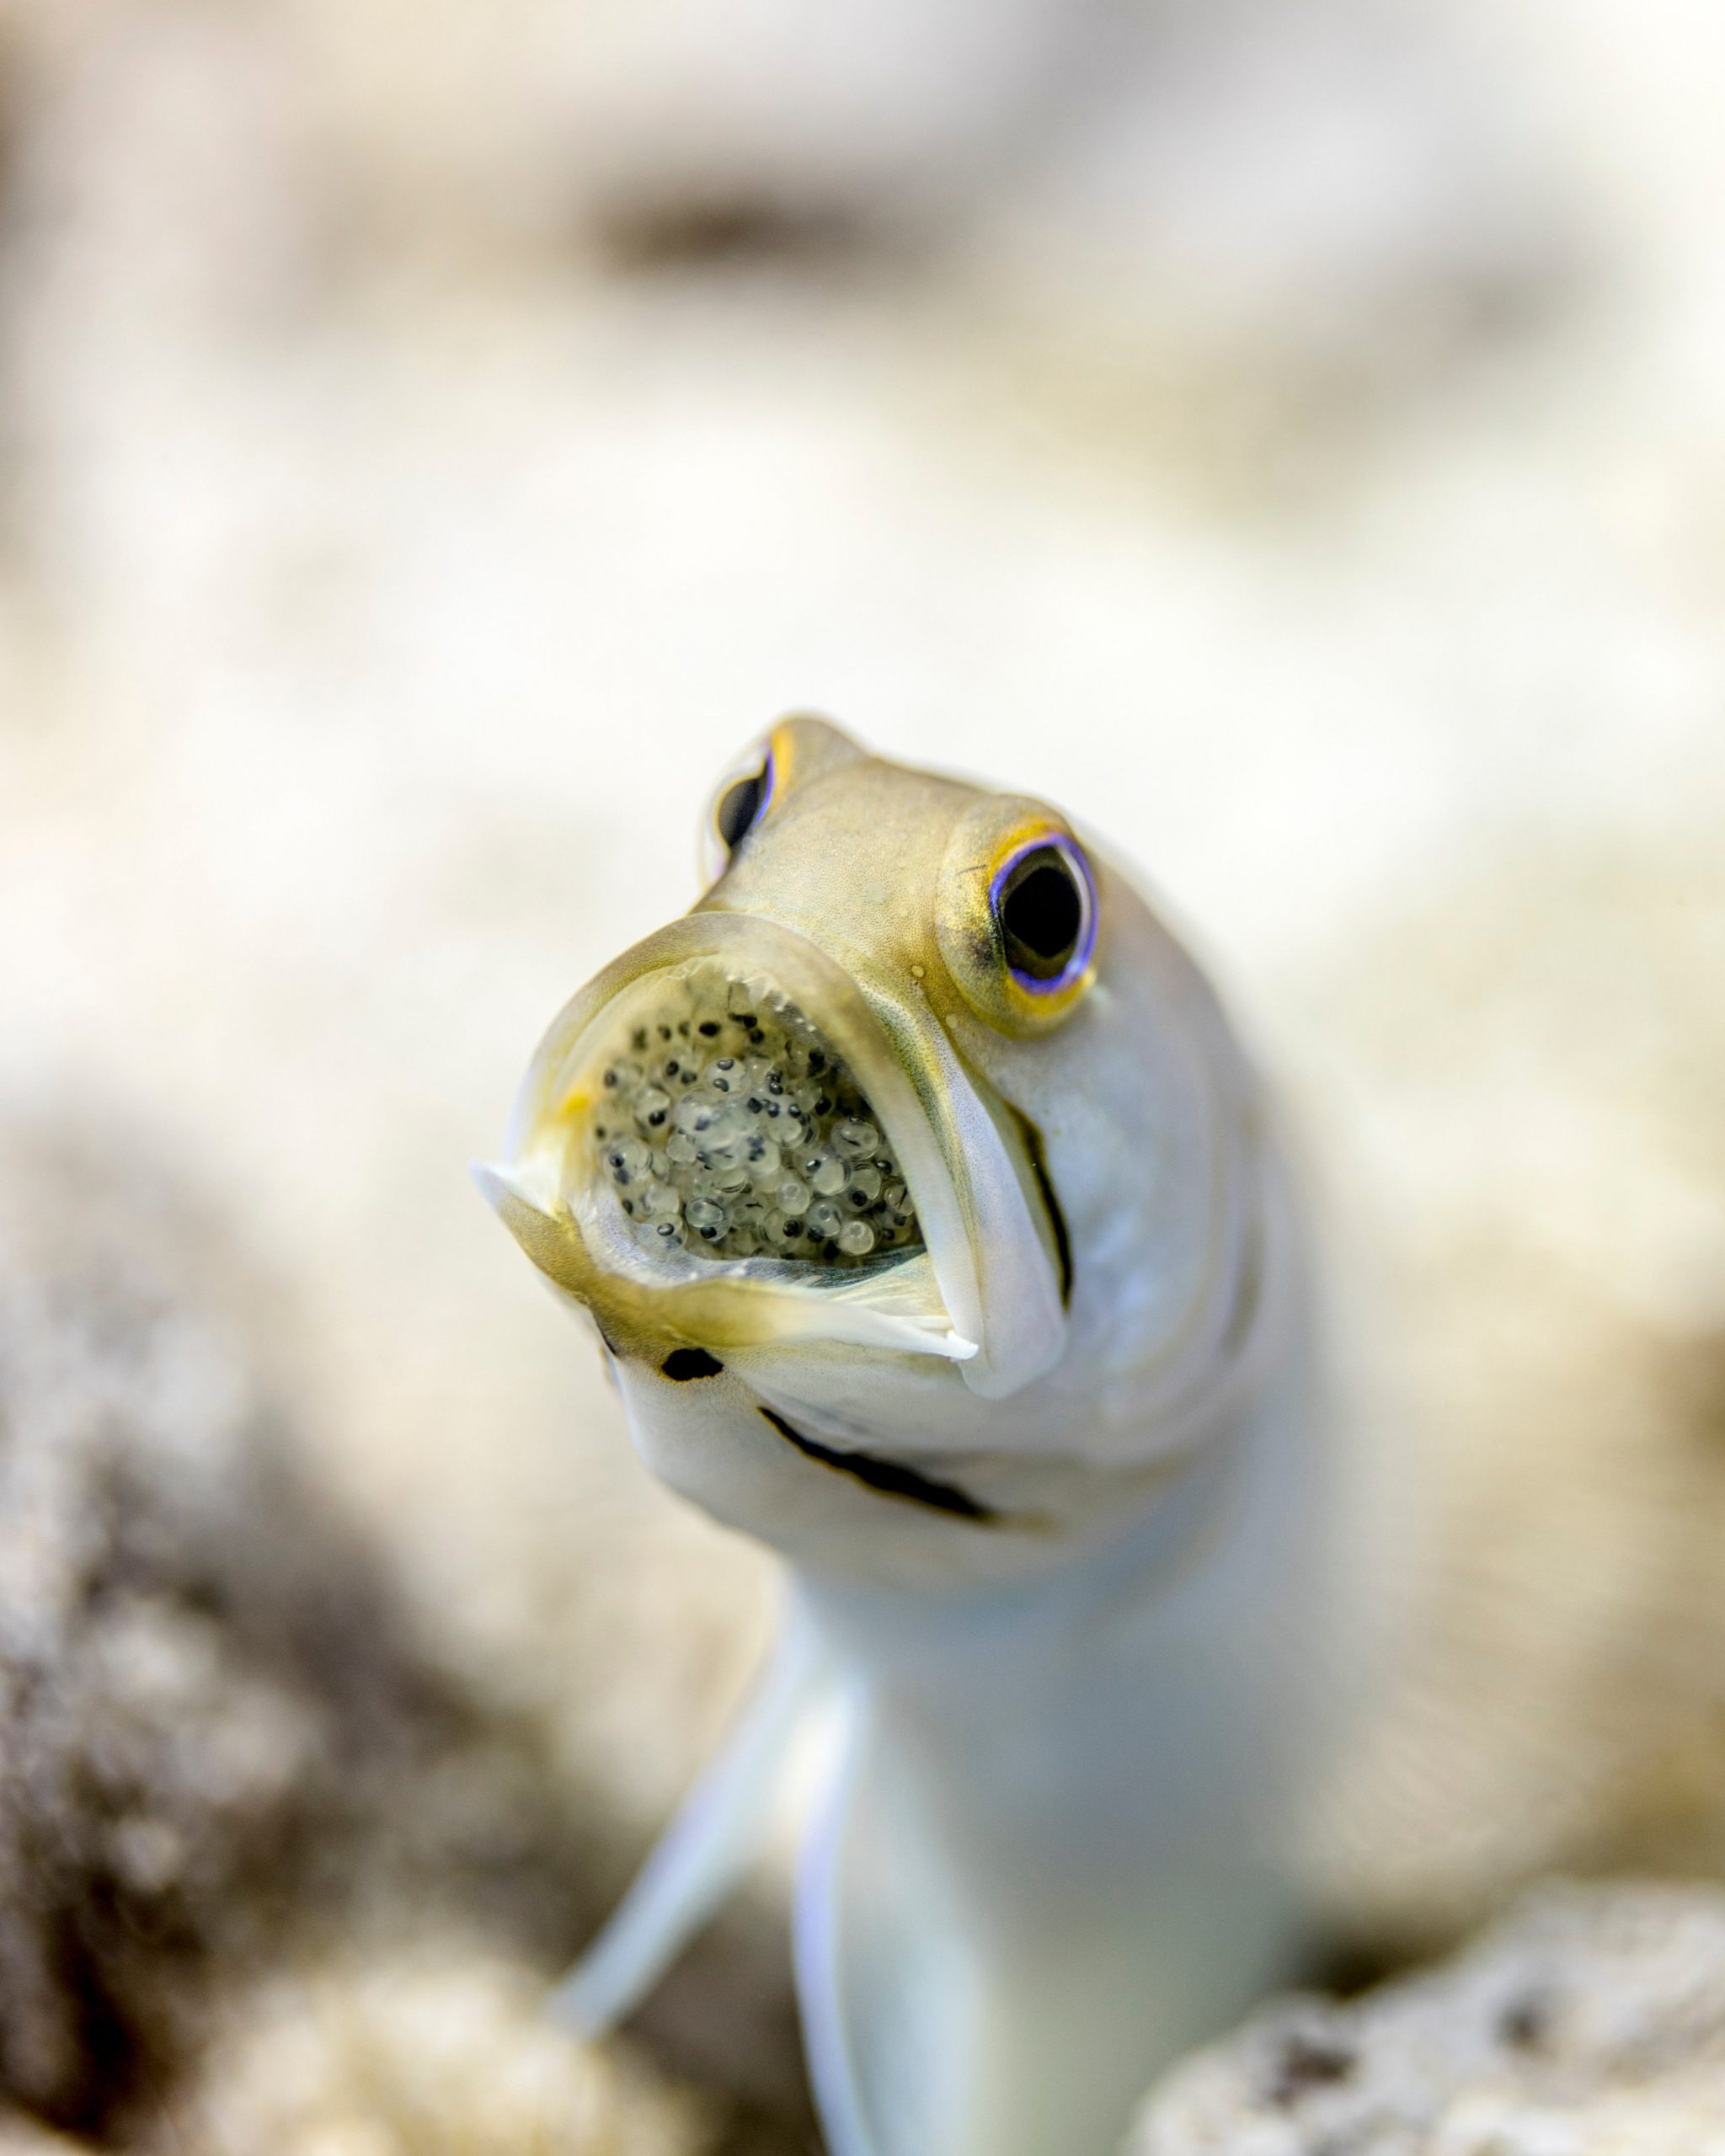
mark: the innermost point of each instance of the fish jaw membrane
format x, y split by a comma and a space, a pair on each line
727, 1124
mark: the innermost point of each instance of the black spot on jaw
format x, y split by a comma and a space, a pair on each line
890, 1477
1031, 1138
683, 1364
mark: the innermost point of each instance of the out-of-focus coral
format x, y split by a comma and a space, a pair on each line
23, 2137
1532, 1073
224, 1738
1263, 191
441, 2051
864, 115
190, 1655
1589, 2023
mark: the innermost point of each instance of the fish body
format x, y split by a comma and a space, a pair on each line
934, 1222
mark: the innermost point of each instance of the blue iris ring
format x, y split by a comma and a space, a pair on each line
1043, 900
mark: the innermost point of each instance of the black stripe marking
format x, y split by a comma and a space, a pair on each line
1056, 1219
891, 1477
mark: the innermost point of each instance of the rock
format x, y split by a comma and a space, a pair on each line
1542, 1197
1589, 2022
229, 1751
440, 2049
22, 2136
164, 1590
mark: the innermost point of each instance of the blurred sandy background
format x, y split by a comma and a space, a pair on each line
1288, 433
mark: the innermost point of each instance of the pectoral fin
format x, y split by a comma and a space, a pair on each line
701, 1854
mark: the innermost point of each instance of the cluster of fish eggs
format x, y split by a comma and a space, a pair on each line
737, 1131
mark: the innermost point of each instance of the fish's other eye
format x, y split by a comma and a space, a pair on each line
739, 807
1016, 915
1043, 907
742, 800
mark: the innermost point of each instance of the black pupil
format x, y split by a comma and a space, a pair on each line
739, 806
1041, 914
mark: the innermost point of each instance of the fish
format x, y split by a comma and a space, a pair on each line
941, 1235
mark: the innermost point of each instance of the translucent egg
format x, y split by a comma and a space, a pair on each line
652, 1108
728, 1127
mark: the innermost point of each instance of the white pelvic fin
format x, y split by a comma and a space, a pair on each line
699, 1857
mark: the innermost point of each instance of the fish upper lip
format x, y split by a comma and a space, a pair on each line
942, 1137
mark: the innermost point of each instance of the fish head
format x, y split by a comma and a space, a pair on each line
889, 1173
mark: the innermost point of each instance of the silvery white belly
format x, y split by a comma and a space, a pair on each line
1054, 1851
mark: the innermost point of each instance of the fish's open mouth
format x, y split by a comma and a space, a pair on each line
727, 1125
725, 1140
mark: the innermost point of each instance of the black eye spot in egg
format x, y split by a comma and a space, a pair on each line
739, 807
1040, 909
683, 1364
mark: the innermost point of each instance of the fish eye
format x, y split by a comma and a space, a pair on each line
739, 805
1017, 913
736, 810
1043, 903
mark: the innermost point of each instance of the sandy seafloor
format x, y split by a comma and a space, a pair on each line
401, 529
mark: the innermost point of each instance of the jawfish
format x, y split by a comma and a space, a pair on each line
935, 1223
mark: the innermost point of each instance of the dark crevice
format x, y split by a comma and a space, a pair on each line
727, 233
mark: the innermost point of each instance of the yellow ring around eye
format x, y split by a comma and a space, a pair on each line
993, 842
780, 749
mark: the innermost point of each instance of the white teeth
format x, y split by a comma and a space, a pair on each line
729, 1126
